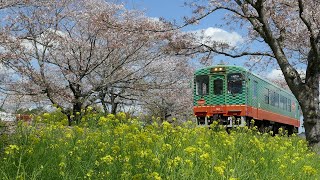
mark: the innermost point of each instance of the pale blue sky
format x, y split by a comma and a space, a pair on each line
175, 10
172, 10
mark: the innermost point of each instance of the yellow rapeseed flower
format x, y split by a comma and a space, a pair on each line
79, 129
219, 170
102, 120
176, 161
68, 135
111, 116
46, 115
309, 170
190, 150
156, 162
121, 115
107, 159
89, 173
282, 167
204, 156
189, 163
115, 149
62, 165
166, 147
89, 108
166, 125
154, 176
11, 149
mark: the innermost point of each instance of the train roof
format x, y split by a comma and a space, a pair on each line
239, 68
221, 65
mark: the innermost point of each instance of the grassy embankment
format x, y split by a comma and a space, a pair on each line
117, 147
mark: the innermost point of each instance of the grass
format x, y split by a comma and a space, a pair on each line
117, 147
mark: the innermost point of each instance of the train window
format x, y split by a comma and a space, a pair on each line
235, 83
276, 99
218, 86
266, 96
289, 105
272, 98
282, 104
202, 85
285, 107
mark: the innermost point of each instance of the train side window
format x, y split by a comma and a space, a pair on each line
266, 96
202, 85
285, 106
276, 99
289, 105
235, 83
255, 89
218, 86
273, 98
282, 102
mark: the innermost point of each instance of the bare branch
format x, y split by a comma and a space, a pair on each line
238, 55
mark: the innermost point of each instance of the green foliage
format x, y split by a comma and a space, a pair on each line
118, 147
4, 138
2, 124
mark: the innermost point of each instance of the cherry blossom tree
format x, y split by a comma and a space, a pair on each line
12, 3
75, 53
173, 96
288, 34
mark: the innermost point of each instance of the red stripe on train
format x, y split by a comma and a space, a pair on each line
244, 110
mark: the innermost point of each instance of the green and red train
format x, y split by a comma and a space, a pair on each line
234, 96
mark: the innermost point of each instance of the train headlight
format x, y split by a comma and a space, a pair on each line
218, 69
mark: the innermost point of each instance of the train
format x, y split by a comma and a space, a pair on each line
234, 96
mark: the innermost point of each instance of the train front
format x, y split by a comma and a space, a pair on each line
220, 95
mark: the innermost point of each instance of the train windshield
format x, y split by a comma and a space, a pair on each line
202, 85
235, 83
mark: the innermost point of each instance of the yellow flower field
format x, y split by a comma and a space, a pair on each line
117, 147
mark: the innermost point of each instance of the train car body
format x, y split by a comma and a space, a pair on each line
234, 96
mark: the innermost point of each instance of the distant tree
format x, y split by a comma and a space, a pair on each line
12, 3
174, 99
158, 74
289, 33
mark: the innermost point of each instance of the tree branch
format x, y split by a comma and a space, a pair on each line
313, 37
238, 55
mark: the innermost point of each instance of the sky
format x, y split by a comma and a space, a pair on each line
173, 10
212, 26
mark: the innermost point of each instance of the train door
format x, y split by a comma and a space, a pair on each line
219, 89
254, 99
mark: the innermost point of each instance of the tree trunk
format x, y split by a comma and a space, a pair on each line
312, 127
77, 111
69, 119
105, 106
114, 107
114, 104
310, 110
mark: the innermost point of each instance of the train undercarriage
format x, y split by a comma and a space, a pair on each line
264, 126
